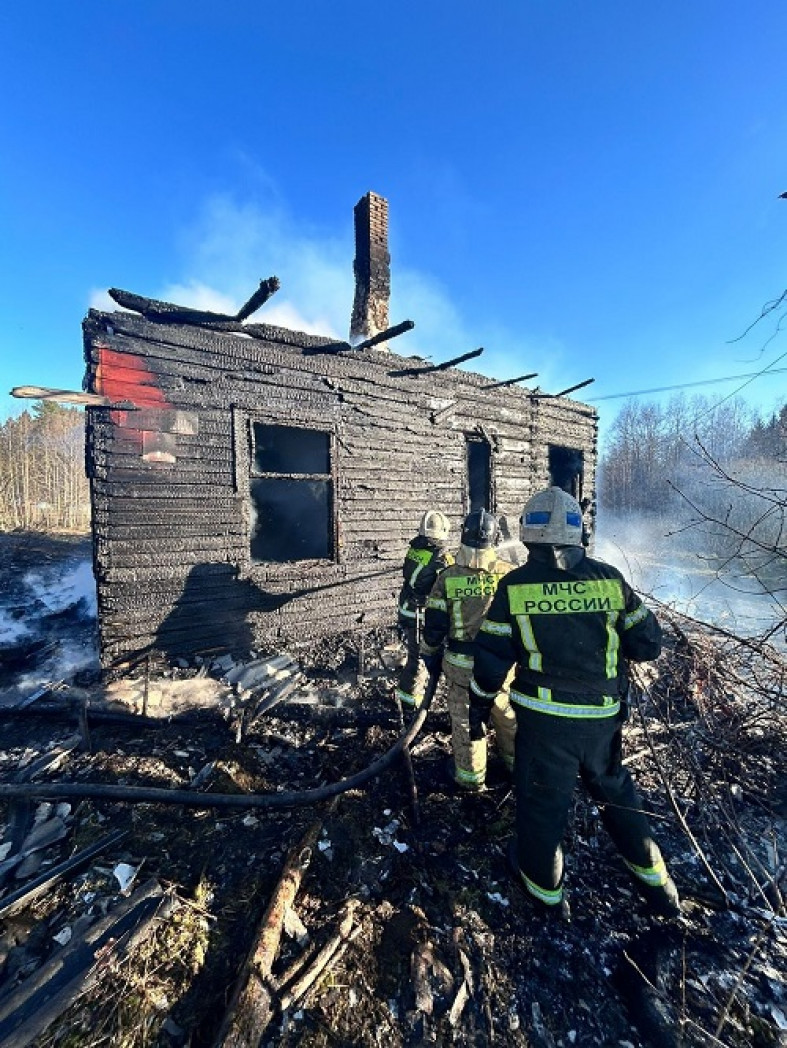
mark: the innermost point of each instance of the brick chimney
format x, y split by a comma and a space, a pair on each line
372, 268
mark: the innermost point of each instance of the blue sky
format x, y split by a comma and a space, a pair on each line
584, 189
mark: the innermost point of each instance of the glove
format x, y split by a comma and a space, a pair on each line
480, 714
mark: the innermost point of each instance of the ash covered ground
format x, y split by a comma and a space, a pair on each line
146, 941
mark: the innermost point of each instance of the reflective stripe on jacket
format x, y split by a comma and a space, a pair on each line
569, 633
457, 605
423, 562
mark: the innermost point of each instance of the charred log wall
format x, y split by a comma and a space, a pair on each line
171, 478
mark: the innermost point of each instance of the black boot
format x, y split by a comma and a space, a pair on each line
559, 912
661, 899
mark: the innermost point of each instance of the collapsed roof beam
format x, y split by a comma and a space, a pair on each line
260, 297
563, 392
511, 381
437, 367
383, 336
153, 309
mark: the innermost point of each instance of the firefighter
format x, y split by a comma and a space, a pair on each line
455, 610
426, 557
568, 624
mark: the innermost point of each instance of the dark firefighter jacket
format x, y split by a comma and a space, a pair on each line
458, 603
569, 633
423, 562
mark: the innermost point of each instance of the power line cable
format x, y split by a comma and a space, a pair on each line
688, 385
768, 369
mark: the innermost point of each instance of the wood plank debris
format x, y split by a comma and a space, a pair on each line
27, 1011
18, 900
252, 1004
326, 958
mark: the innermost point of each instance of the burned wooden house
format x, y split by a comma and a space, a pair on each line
254, 486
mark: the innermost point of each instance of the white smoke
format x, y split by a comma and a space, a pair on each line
670, 568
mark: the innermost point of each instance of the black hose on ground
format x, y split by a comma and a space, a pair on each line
190, 799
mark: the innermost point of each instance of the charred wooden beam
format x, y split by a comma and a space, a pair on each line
155, 310
437, 367
252, 1003
512, 381
563, 392
327, 957
170, 312
68, 709
260, 297
384, 336
68, 396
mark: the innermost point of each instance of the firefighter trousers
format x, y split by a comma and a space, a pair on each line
413, 677
470, 757
550, 753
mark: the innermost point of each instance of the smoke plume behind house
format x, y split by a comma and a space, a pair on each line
676, 570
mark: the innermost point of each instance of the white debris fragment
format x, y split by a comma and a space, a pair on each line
498, 898
63, 936
125, 874
4, 850
387, 833
43, 811
294, 926
250, 820
400, 846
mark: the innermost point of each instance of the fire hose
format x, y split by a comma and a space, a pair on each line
188, 798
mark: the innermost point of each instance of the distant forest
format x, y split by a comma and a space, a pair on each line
42, 470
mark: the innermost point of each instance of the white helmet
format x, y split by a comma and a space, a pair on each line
552, 517
435, 525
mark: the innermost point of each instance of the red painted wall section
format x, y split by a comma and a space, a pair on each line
125, 376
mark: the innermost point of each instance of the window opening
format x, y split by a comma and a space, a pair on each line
479, 474
567, 469
291, 491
